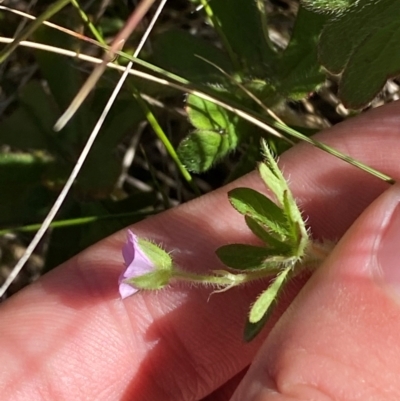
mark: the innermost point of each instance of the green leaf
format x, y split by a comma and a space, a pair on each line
178, 52
31, 125
207, 115
297, 232
202, 149
251, 203
264, 303
271, 175
219, 132
328, 6
241, 23
281, 248
247, 257
298, 71
21, 176
251, 330
110, 25
363, 44
291, 209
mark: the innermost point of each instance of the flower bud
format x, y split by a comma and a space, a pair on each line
147, 267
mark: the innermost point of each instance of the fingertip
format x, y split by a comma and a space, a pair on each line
342, 329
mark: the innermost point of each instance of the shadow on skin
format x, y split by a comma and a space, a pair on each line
180, 332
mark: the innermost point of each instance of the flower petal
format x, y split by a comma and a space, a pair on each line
128, 251
136, 263
126, 290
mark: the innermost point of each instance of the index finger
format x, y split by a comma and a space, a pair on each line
69, 334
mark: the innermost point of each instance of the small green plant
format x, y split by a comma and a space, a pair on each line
234, 91
287, 250
251, 63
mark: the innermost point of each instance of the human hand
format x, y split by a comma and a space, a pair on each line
69, 335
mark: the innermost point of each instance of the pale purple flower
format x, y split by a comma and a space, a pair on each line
136, 263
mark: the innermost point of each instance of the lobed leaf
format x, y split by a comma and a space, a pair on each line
202, 149
363, 44
218, 133
299, 234
207, 115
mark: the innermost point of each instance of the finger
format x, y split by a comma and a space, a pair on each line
174, 344
340, 339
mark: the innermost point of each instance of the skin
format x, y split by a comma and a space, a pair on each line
69, 336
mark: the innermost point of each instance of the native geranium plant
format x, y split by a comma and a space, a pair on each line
287, 249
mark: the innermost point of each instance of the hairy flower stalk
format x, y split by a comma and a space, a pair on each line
148, 267
287, 250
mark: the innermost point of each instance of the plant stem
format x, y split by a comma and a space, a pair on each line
222, 278
316, 253
204, 93
165, 141
25, 33
76, 221
87, 21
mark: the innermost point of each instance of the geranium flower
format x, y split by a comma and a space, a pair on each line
136, 264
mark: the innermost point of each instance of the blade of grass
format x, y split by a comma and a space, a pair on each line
89, 23
146, 109
166, 142
284, 127
151, 118
74, 222
204, 93
116, 45
242, 112
25, 33
81, 159
79, 36
150, 115
55, 26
